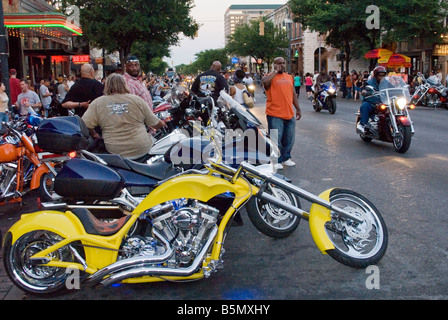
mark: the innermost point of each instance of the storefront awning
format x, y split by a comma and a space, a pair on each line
49, 52
50, 24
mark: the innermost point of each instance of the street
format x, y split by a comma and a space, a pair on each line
410, 190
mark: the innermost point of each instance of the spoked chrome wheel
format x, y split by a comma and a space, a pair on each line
46, 187
270, 219
356, 245
32, 277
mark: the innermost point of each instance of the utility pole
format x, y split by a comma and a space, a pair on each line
4, 52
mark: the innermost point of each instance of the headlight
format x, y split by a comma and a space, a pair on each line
251, 87
401, 103
331, 90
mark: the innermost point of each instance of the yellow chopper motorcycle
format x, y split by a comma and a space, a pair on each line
177, 231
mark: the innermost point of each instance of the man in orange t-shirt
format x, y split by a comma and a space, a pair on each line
281, 98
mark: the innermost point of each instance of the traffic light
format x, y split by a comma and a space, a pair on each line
261, 28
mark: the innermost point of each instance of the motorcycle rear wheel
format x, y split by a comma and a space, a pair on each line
356, 245
33, 278
271, 220
46, 188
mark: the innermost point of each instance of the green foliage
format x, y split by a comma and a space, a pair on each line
116, 25
247, 41
204, 60
344, 21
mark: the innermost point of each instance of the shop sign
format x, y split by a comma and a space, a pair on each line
81, 59
440, 50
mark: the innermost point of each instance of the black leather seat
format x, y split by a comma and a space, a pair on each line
158, 171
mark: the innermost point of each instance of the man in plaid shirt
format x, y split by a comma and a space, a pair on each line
134, 83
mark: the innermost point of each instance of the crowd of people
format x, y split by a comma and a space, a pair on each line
118, 109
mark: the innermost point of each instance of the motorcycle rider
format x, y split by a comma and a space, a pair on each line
210, 80
321, 78
123, 118
369, 102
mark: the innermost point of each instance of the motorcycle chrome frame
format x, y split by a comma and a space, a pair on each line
247, 168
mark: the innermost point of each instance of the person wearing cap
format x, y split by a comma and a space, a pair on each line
237, 90
368, 106
137, 87
14, 86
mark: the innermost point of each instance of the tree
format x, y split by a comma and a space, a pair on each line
247, 41
344, 21
116, 25
204, 60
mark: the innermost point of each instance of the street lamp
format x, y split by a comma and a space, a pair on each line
288, 23
4, 51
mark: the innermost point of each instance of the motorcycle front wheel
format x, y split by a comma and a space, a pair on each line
271, 220
357, 245
402, 141
333, 106
32, 277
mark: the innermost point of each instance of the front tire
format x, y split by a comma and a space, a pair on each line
271, 220
402, 141
357, 245
333, 105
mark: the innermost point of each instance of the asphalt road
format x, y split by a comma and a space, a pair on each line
409, 189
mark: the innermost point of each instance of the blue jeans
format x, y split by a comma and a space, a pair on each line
366, 109
286, 133
3, 118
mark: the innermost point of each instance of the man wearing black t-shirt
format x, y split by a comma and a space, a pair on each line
210, 81
84, 91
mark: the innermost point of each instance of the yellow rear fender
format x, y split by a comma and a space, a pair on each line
64, 224
318, 217
100, 250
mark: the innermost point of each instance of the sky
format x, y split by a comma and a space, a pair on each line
210, 16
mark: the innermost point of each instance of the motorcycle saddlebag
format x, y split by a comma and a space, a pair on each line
63, 134
81, 179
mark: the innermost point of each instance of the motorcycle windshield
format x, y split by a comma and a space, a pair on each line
242, 113
433, 81
176, 95
394, 87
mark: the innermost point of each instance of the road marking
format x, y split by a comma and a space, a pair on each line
351, 122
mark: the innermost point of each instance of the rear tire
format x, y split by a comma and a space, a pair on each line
34, 278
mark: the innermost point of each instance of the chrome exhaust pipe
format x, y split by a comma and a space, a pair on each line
160, 271
132, 262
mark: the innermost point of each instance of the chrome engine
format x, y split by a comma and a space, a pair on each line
184, 224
